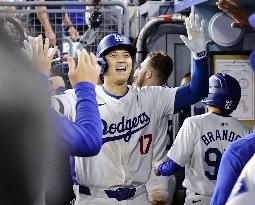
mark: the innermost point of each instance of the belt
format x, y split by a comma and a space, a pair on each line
121, 193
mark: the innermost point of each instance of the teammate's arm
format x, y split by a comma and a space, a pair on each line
199, 85
84, 137
167, 168
185, 142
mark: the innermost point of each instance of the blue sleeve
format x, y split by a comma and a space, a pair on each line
84, 137
196, 90
168, 168
229, 170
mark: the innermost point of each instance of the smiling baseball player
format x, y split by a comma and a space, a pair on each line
202, 140
129, 115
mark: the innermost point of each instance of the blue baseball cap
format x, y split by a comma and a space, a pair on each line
252, 55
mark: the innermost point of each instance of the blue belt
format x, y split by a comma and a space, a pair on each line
120, 194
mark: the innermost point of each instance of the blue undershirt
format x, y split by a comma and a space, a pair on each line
196, 90
168, 168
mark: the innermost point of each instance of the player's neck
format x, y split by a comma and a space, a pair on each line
214, 109
151, 82
117, 90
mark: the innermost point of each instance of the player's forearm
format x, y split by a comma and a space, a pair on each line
199, 83
168, 168
83, 138
196, 90
43, 17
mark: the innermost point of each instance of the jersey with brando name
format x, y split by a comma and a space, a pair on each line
129, 128
199, 146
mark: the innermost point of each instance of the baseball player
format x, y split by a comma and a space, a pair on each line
156, 73
117, 175
202, 140
236, 156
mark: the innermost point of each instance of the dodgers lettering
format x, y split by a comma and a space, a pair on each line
125, 127
217, 135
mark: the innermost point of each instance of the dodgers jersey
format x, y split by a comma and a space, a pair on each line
199, 146
163, 139
129, 128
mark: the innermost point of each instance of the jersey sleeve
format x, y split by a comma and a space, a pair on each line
183, 146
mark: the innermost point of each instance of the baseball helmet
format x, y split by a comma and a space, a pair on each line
224, 92
252, 56
109, 42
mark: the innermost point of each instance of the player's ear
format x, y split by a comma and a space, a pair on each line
149, 73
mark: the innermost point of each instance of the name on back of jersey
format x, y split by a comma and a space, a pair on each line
219, 135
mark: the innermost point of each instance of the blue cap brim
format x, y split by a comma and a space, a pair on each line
252, 20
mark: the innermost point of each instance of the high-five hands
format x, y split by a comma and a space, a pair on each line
86, 69
196, 38
239, 14
39, 53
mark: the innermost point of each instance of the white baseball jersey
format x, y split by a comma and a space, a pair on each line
161, 187
199, 146
244, 189
129, 128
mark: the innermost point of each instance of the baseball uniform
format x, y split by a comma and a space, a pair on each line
199, 146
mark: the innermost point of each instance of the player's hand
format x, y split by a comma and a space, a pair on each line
196, 38
40, 54
155, 168
86, 69
239, 14
73, 33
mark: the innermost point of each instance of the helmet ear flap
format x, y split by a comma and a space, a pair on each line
104, 67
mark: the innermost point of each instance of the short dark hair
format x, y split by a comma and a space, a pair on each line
162, 63
187, 75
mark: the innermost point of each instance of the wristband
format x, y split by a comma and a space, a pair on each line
199, 55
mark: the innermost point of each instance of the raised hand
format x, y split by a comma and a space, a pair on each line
239, 14
86, 69
196, 38
40, 54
